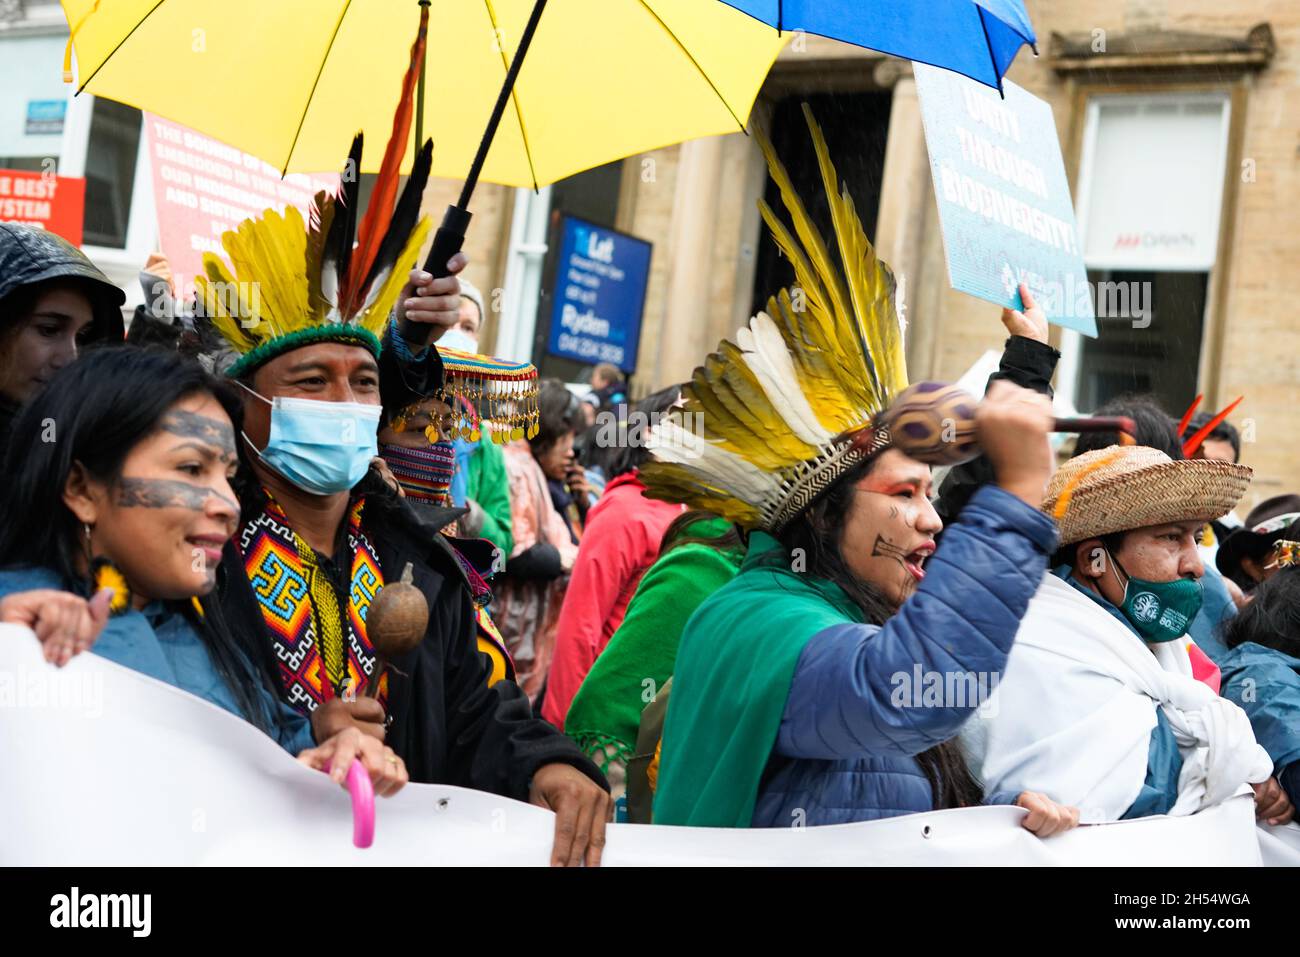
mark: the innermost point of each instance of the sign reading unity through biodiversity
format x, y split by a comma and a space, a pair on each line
1004, 202
599, 295
202, 188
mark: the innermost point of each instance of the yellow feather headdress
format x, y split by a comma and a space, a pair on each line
292, 283
776, 415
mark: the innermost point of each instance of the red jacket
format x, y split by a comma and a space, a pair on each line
619, 542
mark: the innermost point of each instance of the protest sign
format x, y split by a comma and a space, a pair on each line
1004, 201
56, 203
202, 188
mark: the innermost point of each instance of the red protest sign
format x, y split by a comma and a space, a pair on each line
56, 203
202, 188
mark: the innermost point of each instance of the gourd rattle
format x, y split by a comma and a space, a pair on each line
395, 624
934, 423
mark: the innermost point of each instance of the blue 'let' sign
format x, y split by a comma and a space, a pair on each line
599, 295
1004, 202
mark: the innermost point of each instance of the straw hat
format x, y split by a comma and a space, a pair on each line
1125, 487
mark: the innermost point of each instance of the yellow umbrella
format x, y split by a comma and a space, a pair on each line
291, 81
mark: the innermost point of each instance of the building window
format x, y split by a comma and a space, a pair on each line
33, 101
1150, 336
111, 156
1150, 197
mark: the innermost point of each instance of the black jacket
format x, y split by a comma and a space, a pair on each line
1025, 363
446, 723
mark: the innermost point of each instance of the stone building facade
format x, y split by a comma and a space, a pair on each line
1179, 122
1223, 327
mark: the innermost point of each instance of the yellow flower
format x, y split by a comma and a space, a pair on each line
106, 575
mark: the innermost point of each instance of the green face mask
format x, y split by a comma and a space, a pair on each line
1160, 611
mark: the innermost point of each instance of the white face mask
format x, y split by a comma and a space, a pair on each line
321, 447
460, 340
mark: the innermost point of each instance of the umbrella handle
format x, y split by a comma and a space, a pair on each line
363, 805
447, 241
362, 792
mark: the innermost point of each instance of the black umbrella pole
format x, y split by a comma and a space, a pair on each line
446, 243
451, 234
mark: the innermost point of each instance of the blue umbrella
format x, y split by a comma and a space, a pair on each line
977, 39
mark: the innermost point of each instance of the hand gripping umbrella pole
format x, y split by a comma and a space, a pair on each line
450, 236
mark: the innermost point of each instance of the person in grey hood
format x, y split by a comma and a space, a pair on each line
53, 302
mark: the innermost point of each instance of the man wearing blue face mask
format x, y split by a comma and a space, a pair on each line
1106, 698
320, 534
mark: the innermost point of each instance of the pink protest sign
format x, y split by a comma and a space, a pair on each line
202, 188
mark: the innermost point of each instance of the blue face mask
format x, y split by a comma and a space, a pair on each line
321, 447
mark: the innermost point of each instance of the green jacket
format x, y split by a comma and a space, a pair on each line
642, 653
734, 668
486, 484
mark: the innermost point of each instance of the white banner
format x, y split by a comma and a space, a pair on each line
104, 766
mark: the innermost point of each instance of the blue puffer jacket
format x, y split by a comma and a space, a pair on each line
858, 710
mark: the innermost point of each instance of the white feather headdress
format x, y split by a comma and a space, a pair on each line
788, 406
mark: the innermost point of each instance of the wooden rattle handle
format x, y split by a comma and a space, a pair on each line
935, 423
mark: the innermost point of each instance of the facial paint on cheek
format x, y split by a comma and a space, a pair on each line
163, 493
884, 548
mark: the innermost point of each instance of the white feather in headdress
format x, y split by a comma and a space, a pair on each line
779, 405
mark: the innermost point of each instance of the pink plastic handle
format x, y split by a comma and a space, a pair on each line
363, 805
362, 793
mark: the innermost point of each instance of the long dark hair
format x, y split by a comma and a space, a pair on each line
1156, 429
818, 530
630, 455
1272, 617
682, 532
93, 413
558, 413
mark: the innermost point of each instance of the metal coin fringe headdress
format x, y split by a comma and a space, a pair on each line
500, 394
789, 406
482, 393
295, 283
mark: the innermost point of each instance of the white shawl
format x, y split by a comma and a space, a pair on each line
1072, 716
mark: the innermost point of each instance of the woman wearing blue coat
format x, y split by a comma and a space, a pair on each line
825, 682
823, 685
116, 508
